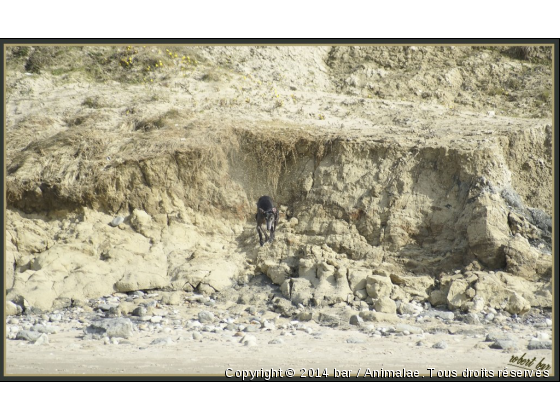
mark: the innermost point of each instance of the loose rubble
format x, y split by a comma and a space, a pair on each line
189, 324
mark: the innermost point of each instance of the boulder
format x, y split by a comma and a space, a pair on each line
112, 327
378, 286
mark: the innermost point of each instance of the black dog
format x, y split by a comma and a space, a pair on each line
266, 212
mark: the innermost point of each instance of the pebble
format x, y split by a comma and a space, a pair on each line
249, 340
162, 341
206, 317
542, 336
539, 345
493, 336
196, 335
504, 344
409, 309
440, 345
251, 328
156, 319
230, 327
368, 327
46, 329
113, 327
355, 340
268, 325
356, 320
548, 322
446, 316
471, 319
193, 324
140, 311
489, 317
117, 221
411, 329
305, 316
28, 335
276, 341
55, 317
43, 339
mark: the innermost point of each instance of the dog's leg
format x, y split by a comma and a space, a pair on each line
262, 232
273, 227
259, 229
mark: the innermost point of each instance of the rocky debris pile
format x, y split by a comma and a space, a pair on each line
163, 318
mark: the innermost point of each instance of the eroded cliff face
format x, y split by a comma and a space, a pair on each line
383, 201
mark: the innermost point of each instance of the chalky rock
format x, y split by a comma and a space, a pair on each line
356, 320
409, 309
112, 327
249, 340
385, 305
11, 308
268, 325
471, 318
206, 317
117, 221
408, 328
442, 345
251, 328
494, 336
162, 341
504, 344
43, 339
539, 345
45, 329
140, 311
542, 336
28, 335
328, 319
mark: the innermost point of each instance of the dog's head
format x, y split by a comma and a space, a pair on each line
269, 215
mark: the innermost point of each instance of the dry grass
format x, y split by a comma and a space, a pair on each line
174, 153
277, 146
